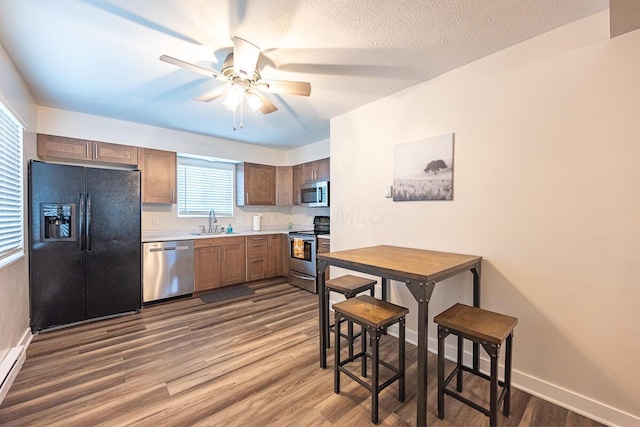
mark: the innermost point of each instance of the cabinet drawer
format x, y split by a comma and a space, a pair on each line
257, 246
218, 241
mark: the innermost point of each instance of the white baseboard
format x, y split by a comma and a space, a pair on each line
12, 363
553, 393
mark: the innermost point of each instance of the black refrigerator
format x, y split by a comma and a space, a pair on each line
84, 243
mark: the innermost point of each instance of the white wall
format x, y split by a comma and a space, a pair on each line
547, 148
14, 279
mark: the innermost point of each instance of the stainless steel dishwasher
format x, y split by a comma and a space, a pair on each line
167, 269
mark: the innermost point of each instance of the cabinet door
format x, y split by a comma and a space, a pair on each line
284, 186
259, 184
114, 153
324, 246
323, 170
256, 268
232, 267
63, 148
158, 175
297, 183
206, 262
257, 257
274, 258
308, 172
316, 171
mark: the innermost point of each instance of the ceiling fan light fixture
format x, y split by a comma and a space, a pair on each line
254, 102
245, 57
234, 97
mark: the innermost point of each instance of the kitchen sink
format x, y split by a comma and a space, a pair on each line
212, 234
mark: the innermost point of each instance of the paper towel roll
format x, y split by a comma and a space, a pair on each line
256, 222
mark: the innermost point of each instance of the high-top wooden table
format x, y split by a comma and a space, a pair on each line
419, 270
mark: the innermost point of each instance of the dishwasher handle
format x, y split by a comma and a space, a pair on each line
169, 248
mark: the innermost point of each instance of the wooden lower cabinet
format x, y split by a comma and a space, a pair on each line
257, 257
274, 258
219, 262
265, 256
324, 246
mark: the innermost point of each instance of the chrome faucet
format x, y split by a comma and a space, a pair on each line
212, 214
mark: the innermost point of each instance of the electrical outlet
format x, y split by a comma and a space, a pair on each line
154, 220
272, 218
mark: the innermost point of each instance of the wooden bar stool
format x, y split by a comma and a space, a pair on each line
488, 329
349, 286
373, 316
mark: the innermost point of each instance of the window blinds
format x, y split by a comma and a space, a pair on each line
204, 185
11, 187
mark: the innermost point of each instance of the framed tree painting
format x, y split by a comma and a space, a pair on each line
423, 169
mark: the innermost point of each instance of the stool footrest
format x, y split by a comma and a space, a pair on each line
463, 399
370, 356
366, 385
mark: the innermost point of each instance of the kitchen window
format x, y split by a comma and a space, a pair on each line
204, 185
11, 188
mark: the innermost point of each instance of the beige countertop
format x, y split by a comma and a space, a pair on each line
167, 235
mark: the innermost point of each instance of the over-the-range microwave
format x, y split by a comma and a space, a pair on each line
315, 195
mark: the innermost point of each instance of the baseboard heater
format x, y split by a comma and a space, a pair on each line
10, 367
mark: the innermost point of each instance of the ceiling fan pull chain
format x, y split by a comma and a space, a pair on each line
234, 119
241, 102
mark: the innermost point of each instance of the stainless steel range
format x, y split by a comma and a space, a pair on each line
303, 246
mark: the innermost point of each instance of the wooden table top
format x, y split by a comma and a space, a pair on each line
400, 263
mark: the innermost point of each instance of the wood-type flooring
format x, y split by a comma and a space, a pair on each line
250, 361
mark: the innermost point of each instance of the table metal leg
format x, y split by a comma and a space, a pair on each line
384, 283
323, 312
422, 293
476, 303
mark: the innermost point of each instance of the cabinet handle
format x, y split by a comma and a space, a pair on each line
219, 250
247, 198
173, 197
86, 148
224, 254
95, 151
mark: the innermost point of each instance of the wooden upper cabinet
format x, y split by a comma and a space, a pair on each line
114, 153
323, 169
318, 170
60, 147
158, 170
297, 183
256, 184
284, 186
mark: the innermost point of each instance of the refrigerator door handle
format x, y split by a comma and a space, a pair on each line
81, 222
88, 228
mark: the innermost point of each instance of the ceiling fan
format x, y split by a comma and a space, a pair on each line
243, 79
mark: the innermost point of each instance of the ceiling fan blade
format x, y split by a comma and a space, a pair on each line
245, 57
286, 87
192, 67
267, 106
213, 94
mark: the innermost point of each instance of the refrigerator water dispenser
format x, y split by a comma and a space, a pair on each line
58, 222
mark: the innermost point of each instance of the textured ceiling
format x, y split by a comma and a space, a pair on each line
100, 57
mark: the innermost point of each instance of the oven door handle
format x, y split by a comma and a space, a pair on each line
301, 276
